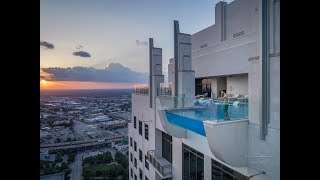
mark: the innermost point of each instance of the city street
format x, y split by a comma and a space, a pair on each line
76, 167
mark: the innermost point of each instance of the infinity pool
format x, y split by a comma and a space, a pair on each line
192, 119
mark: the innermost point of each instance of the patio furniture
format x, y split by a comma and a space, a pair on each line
243, 99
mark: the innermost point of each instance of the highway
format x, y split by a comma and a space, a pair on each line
115, 137
83, 145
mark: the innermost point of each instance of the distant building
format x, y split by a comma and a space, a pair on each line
56, 123
121, 147
45, 135
45, 156
56, 176
114, 124
97, 119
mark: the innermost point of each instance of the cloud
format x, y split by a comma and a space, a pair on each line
115, 72
46, 45
81, 54
79, 47
138, 43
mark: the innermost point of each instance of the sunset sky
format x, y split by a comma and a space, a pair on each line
79, 39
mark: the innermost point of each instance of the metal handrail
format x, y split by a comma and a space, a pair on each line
165, 170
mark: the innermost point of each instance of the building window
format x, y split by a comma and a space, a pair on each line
146, 131
131, 172
134, 122
135, 162
192, 163
135, 146
131, 157
140, 128
146, 178
131, 141
135, 177
167, 146
140, 155
146, 164
221, 172
140, 174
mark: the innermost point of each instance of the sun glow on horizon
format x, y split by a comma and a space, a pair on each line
66, 85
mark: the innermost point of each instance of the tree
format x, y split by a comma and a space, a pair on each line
58, 140
64, 166
115, 170
59, 157
71, 157
107, 157
88, 160
88, 172
50, 170
121, 159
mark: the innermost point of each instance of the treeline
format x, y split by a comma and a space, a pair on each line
103, 165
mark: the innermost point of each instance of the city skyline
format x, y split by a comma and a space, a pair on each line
93, 35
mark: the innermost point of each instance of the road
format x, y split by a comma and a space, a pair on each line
76, 167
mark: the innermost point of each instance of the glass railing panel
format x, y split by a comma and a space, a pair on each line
166, 89
205, 108
141, 88
165, 170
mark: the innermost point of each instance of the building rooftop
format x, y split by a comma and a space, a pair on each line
57, 176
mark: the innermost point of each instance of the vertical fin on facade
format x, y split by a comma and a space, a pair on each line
176, 33
150, 70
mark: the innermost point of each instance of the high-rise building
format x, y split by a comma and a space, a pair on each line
196, 131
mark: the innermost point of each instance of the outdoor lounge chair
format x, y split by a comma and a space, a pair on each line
234, 97
245, 98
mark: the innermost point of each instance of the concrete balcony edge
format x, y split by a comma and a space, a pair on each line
228, 141
174, 130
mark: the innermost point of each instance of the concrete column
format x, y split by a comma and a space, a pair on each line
171, 71
207, 167
158, 143
184, 76
276, 7
176, 159
155, 70
220, 20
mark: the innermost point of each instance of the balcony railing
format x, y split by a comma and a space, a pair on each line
160, 164
205, 108
141, 88
166, 89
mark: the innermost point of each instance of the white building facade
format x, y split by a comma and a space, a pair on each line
172, 138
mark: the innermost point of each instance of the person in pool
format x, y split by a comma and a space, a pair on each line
225, 105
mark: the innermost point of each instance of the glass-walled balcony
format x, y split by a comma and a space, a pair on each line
141, 88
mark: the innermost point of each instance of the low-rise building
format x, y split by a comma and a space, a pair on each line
56, 176
114, 124
102, 118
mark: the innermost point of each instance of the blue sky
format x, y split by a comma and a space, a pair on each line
108, 29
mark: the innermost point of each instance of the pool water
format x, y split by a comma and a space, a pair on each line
186, 122
192, 119
215, 112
